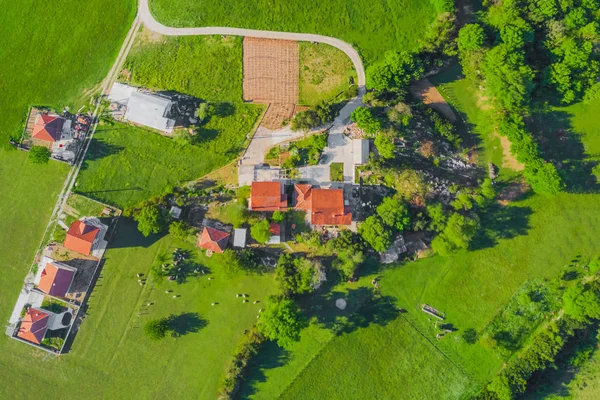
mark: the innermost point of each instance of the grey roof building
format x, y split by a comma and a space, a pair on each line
151, 111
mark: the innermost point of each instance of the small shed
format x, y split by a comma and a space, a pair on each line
239, 238
175, 212
275, 230
360, 148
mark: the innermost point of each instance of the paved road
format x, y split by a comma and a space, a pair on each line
152, 24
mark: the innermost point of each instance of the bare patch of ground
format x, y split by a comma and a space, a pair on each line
508, 160
512, 192
271, 71
276, 115
146, 36
428, 94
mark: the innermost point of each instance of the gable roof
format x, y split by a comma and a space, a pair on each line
55, 279
81, 236
302, 197
213, 239
47, 128
34, 325
267, 196
149, 110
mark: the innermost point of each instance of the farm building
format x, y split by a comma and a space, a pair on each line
267, 196
141, 108
213, 239
53, 277
323, 206
86, 236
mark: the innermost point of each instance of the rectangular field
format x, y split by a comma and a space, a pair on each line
271, 71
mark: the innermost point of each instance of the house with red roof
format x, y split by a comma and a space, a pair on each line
267, 196
85, 235
323, 206
53, 277
213, 239
48, 128
34, 325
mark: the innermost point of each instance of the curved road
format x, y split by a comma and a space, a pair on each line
146, 17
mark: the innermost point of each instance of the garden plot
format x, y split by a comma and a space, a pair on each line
271, 71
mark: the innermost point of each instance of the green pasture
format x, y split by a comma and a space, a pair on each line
207, 67
54, 53
126, 165
372, 27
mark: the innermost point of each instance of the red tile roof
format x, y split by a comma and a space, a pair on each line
56, 280
34, 325
80, 237
47, 128
267, 196
325, 206
302, 197
213, 239
275, 229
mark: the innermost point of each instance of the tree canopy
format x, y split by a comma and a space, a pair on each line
261, 231
149, 220
39, 155
374, 232
282, 322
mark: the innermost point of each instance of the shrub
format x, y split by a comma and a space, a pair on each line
39, 155
366, 121
182, 230
395, 72
260, 231
278, 216
385, 145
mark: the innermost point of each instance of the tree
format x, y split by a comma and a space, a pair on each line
458, 234
305, 120
294, 275
347, 262
393, 213
438, 217
544, 179
181, 230
282, 322
157, 329
374, 232
365, 120
149, 220
202, 112
261, 231
385, 145
470, 38
396, 71
39, 155
278, 216
582, 302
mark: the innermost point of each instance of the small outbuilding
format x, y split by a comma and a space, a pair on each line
175, 212
239, 238
360, 148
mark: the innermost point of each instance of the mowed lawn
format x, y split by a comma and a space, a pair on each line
26, 200
373, 27
325, 73
112, 358
126, 165
207, 67
54, 51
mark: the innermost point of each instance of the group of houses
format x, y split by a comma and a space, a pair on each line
324, 207
51, 295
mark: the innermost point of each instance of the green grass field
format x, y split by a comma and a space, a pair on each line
373, 27
207, 67
125, 165
54, 52
325, 73
113, 356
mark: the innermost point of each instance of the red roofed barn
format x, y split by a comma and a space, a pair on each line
56, 279
324, 206
48, 128
81, 237
267, 196
213, 239
34, 325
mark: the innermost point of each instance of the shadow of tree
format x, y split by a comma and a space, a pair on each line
128, 236
554, 132
185, 323
100, 149
204, 135
502, 222
270, 356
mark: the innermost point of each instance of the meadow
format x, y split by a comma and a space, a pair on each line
207, 67
373, 27
112, 358
126, 165
325, 74
55, 64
